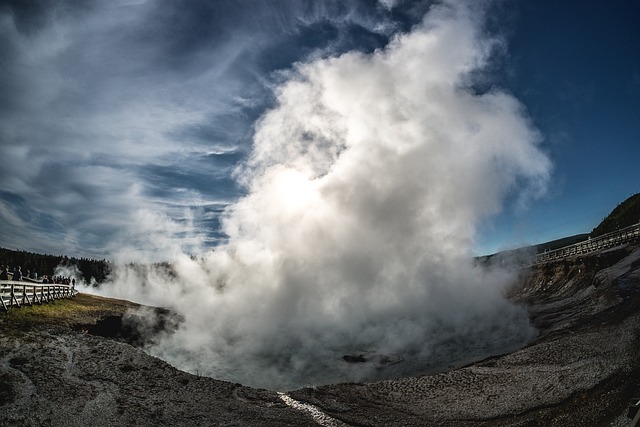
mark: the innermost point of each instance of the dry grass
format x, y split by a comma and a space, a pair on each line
82, 309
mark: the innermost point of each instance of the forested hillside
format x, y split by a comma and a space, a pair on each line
46, 264
625, 214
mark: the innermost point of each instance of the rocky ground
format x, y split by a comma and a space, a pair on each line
78, 362
582, 370
55, 372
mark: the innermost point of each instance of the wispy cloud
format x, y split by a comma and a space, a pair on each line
117, 108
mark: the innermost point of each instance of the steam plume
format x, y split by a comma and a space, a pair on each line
366, 184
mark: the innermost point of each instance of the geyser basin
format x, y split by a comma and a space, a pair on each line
285, 372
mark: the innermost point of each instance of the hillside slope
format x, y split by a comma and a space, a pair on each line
625, 214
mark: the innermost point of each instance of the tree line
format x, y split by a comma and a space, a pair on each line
625, 214
46, 264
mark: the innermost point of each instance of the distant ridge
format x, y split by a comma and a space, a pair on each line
561, 243
624, 215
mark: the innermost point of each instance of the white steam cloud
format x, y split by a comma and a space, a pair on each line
366, 184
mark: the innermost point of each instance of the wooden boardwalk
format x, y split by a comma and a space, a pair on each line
616, 238
19, 293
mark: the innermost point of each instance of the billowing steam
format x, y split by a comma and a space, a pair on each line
366, 184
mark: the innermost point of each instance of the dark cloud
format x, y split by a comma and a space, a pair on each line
30, 16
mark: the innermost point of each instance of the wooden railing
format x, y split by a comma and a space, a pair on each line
609, 240
19, 293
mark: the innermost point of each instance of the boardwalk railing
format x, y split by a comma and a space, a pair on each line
17, 294
609, 240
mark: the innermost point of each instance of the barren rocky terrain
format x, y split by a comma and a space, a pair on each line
582, 370
79, 362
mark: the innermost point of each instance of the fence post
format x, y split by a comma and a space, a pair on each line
2, 301
13, 296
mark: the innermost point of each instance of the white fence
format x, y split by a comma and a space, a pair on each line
609, 240
18, 293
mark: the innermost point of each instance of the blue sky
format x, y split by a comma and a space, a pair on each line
127, 123
576, 67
